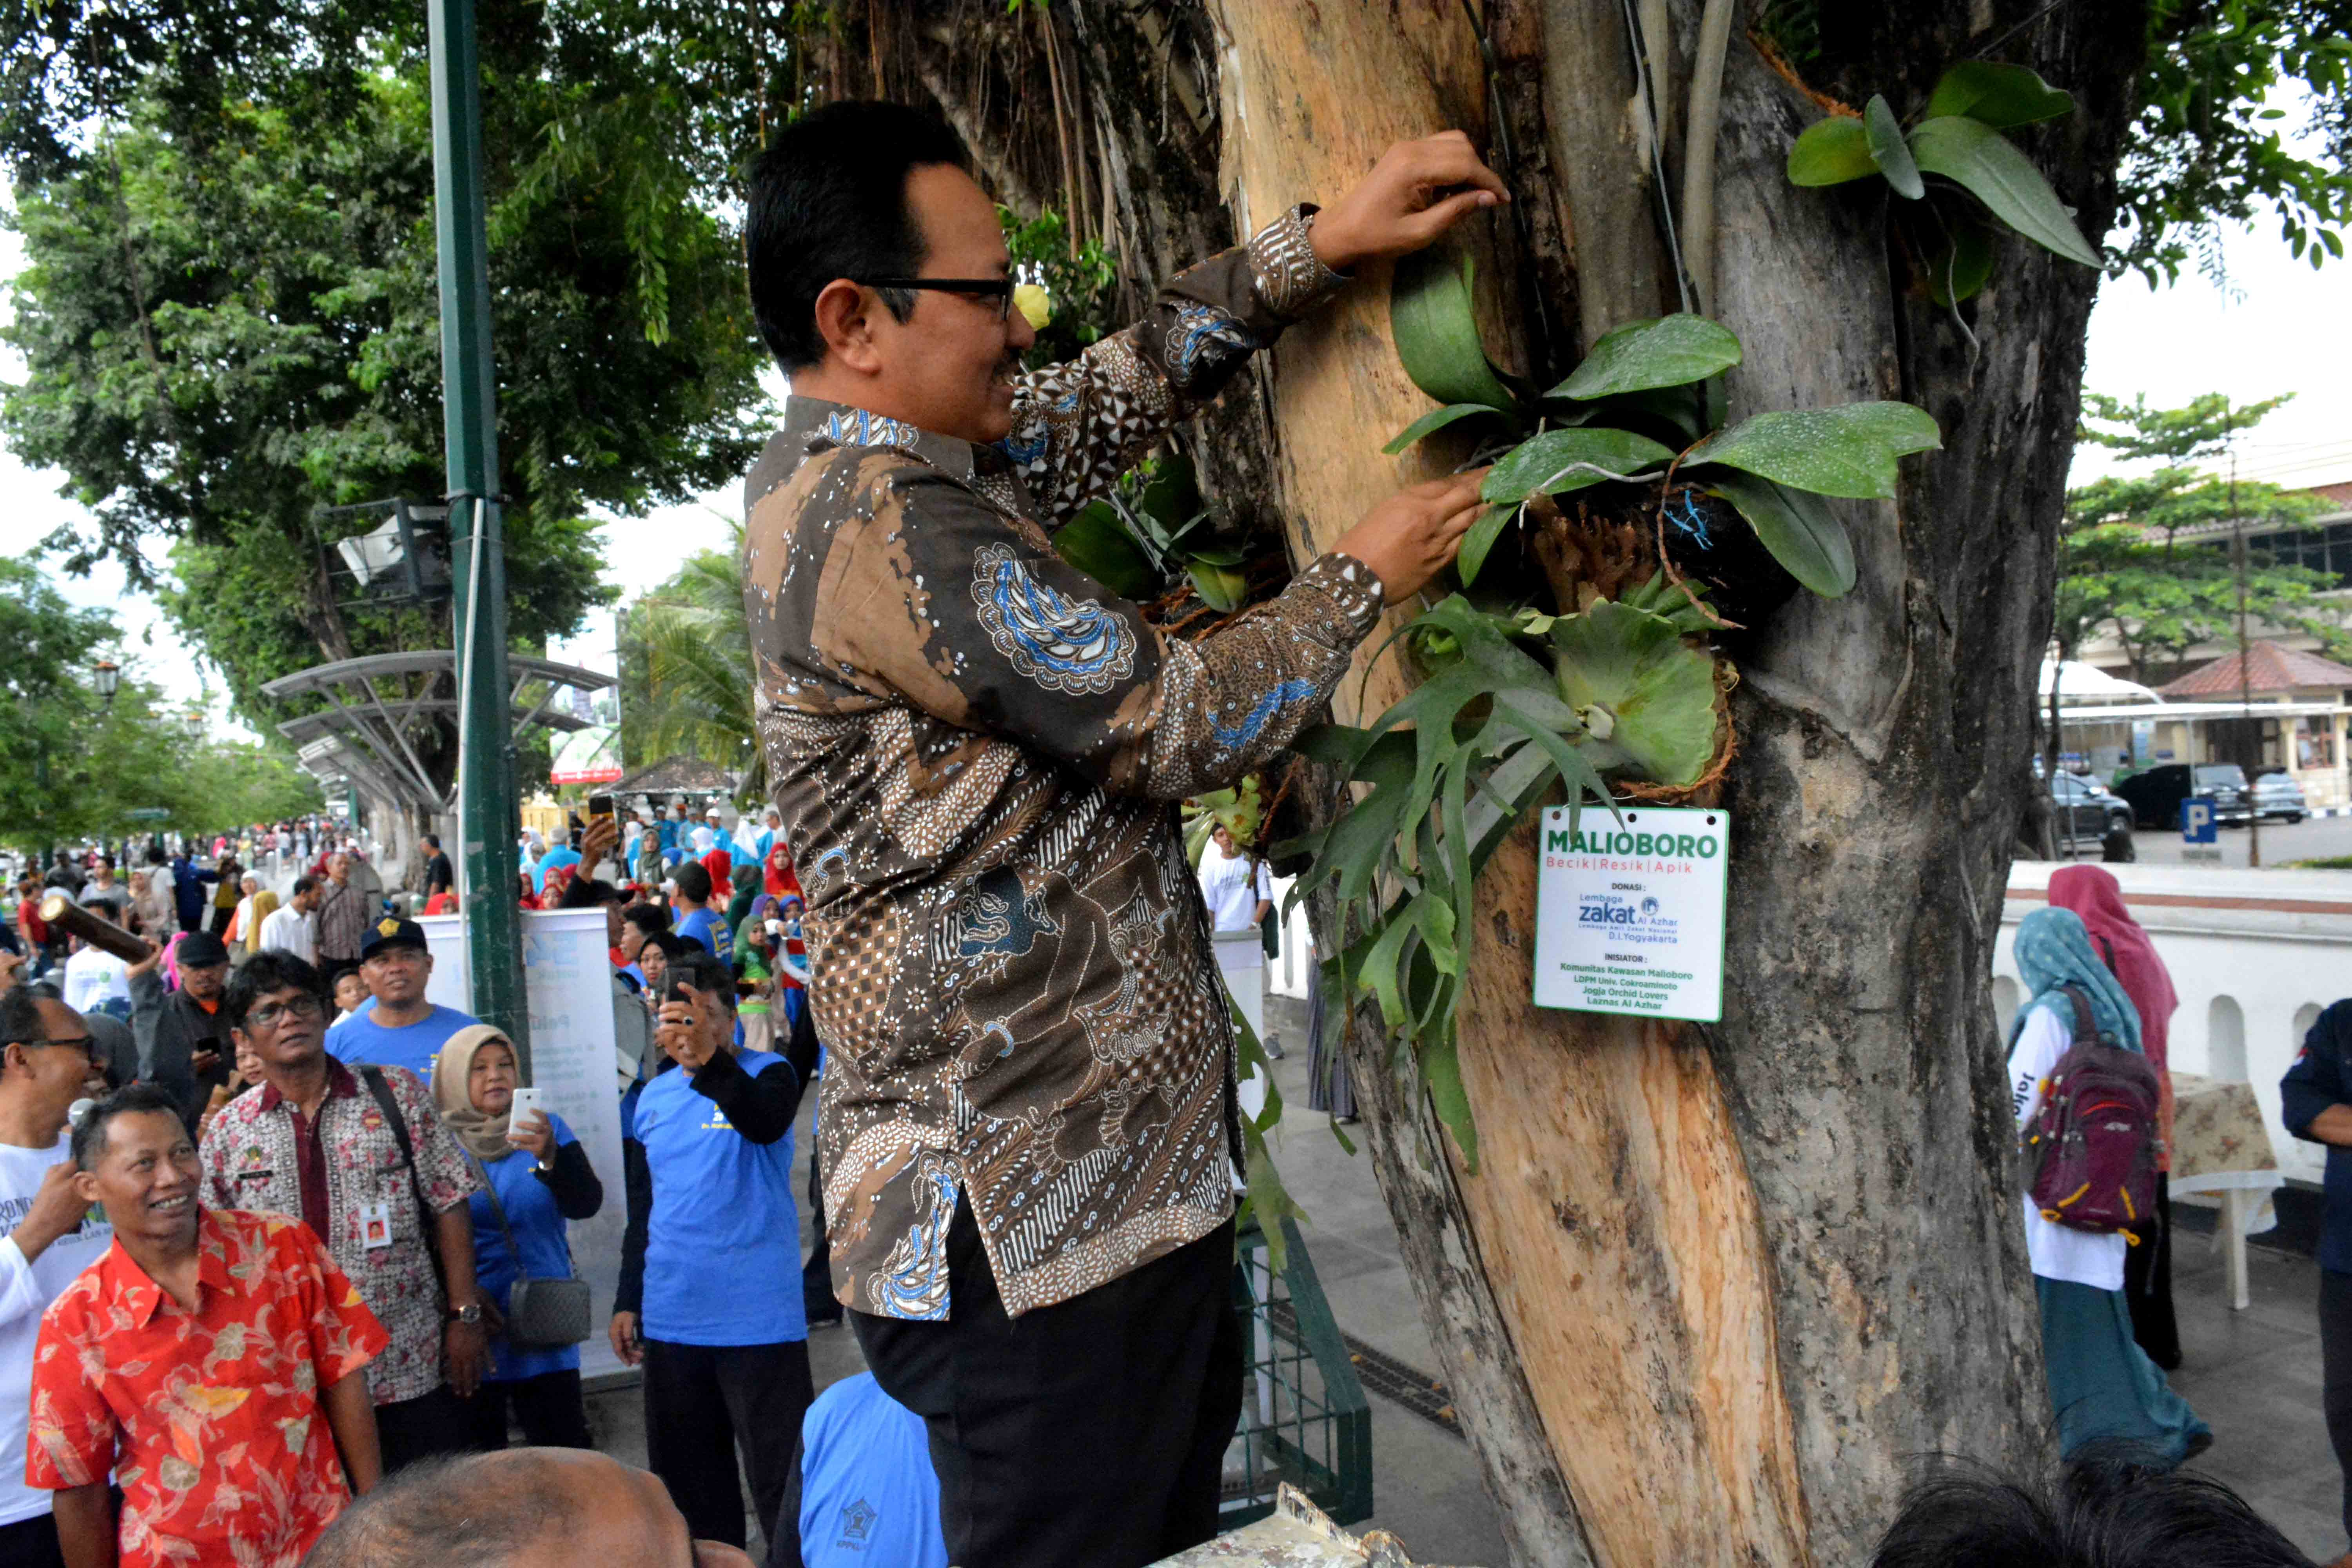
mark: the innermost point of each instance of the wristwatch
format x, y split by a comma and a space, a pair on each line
469, 1313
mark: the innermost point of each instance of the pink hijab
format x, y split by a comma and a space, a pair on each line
2094, 895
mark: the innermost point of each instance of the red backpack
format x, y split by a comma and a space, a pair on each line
2095, 1140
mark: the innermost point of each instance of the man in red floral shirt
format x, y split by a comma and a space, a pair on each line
196, 1359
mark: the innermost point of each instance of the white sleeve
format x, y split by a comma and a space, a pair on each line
1264, 883
2043, 1040
20, 1293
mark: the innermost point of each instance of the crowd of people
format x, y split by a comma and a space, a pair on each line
307, 1242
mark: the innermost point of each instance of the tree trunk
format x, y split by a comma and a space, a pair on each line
1710, 1289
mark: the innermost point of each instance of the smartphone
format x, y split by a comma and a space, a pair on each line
525, 1100
598, 805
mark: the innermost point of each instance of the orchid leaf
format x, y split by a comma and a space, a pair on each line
1991, 169
1831, 153
1888, 150
1641, 356
1437, 420
1559, 461
1472, 557
1848, 450
1797, 526
1997, 95
1431, 318
1098, 544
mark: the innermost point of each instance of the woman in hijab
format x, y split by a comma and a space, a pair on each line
779, 879
265, 904
755, 961
745, 879
541, 1177
2093, 894
2104, 1388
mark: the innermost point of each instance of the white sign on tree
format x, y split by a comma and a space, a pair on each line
1629, 912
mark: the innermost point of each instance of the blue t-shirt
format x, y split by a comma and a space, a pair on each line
539, 1231
2321, 1076
868, 1494
562, 855
711, 930
722, 1211
359, 1038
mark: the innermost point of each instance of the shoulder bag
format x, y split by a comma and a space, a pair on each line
543, 1312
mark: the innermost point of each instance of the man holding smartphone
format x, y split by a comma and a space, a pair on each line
709, 1297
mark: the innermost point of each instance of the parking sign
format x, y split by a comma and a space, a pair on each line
2200, 822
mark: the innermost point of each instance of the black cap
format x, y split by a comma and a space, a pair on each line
393, 931
201, 950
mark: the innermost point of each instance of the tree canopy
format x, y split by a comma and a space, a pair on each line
2147, 556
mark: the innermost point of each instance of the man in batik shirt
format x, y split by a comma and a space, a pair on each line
1026, 1124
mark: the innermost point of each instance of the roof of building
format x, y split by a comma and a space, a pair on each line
2273, 669
681, 773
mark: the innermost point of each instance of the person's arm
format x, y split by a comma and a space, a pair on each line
55, 1212
762, 1109
2313, 1097
629, 1294
86, 1529
147, 998
351, 1415
572, 1182
466, 1347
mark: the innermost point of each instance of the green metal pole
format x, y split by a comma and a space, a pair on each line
488, 811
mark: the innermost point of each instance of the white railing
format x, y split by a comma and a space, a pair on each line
2255, 955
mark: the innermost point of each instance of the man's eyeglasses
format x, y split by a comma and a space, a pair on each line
271, 1014
997, 289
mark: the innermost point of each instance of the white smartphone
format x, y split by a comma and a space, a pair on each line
527, 1101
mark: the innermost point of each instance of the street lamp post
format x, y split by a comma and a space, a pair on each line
109, 679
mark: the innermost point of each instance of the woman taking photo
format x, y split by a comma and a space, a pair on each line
538, 1177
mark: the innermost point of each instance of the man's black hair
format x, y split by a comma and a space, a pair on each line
21, 1023
432, 838
827, 199
90, 1132
2109, 1512
582, 894
264, 972
693, 881
455, 1510
650, 919
302, 886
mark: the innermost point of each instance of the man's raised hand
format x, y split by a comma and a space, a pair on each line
1414, 194
1408, 537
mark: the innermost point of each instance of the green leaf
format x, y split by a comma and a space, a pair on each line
1672, 351
1849, 450
1997, 95
1434, 421
1479, 541
1797, 527
1436, 330
1098, 544
1888, 151
1561, 460
1988, 165
1680, 408
1830, 153
1171, 495
1222, 587
1658, 691
1441, 1069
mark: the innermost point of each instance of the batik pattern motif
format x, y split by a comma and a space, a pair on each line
211, 1420
977, 751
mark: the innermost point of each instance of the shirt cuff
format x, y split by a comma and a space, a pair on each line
1291, 278
1353, 592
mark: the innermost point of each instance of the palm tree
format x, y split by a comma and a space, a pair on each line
686, 661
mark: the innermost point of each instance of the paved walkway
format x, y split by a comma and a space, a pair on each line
2253, 1375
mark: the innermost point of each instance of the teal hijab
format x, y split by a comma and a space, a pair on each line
2054, 949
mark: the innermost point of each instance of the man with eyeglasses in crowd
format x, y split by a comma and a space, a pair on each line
45, 1064
397, 1025
182, 1034
326, 1142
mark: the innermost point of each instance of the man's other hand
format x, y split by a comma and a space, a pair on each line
1416, 192
1408, 537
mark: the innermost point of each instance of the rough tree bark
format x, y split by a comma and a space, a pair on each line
1712, 1290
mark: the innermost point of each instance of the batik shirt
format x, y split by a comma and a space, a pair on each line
253, 1158
210, 1420
977, 751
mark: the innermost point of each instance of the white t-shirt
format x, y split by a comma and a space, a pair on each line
1232, 892
2058, 1251
92, 976
289, 929
26, 1292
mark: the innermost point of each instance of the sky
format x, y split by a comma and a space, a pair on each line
2277, 326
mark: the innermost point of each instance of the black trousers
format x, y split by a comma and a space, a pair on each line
2148, 1284
702, 1404
32, 1544
549, 1408
1090, 1434
817, 1275
2335, 1373
408, 1430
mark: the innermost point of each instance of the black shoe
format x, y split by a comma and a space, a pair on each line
831, 1320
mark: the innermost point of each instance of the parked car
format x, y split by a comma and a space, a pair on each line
2277, 795
2156, 793
2087, 808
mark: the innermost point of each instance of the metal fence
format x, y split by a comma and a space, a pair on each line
1305, 1420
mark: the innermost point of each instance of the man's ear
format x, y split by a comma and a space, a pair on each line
86, 1186
845, 319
